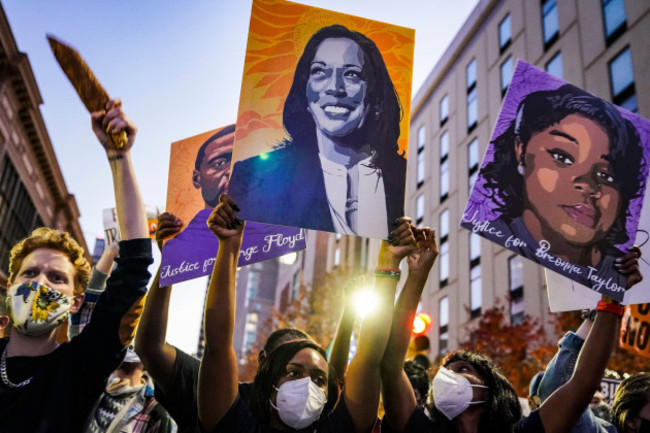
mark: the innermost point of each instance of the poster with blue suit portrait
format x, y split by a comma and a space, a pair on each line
322, 127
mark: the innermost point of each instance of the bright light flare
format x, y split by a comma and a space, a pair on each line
365, 301
289, 259
421, 323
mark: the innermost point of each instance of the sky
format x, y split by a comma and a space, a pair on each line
177, 66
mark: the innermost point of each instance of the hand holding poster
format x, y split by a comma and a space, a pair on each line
563, 179
322, 128
198, 175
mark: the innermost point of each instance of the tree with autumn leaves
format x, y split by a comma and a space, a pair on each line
523, 349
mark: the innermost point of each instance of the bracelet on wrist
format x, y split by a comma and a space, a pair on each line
116, 157
609, 300
388, 272
610, 308
389, 269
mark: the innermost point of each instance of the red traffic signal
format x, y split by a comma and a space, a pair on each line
421, 324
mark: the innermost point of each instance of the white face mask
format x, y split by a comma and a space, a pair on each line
36, 309
299, 402
452, 393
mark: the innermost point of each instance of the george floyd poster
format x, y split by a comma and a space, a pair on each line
198, 174
322, 127
563, 180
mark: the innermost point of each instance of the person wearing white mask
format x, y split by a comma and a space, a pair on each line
469, 394
295, 388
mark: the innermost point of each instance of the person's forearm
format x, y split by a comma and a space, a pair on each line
362, 381
583, 330
341, 345
400, 333
220, 303
398, 397
150, 341
131, 214
217, 389
563, 408
596, 351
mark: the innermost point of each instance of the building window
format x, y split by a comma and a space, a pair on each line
475, 291
475, 288
472, 110
505, 34
444, 180
471, 75
472, 103
419, 209
444, 145
554, 66
295, 286
444, 248
474, 249
444, 166
443, 314
550, 22
506, 75
337, 257
421, 169
614, 18
422, 138
18, 216
516, 271
622, 81
444, 109
472, 162
253, 281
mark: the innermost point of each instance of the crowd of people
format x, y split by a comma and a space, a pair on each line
96, 380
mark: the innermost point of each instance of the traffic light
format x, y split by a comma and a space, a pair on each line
421, 324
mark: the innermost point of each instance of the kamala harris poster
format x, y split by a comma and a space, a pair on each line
323, 121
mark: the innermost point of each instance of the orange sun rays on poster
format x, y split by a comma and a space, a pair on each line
279, 31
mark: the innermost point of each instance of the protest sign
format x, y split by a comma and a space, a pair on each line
563, 180
608, 387
111, 228
635, 331
323, 121
198, 174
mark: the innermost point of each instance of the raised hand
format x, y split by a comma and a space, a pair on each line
629, 265
223, 221
112, 120
421, 259
168, 225
400, 243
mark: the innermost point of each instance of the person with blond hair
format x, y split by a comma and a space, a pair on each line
44, 386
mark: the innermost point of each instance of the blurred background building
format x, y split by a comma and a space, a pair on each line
33, 192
